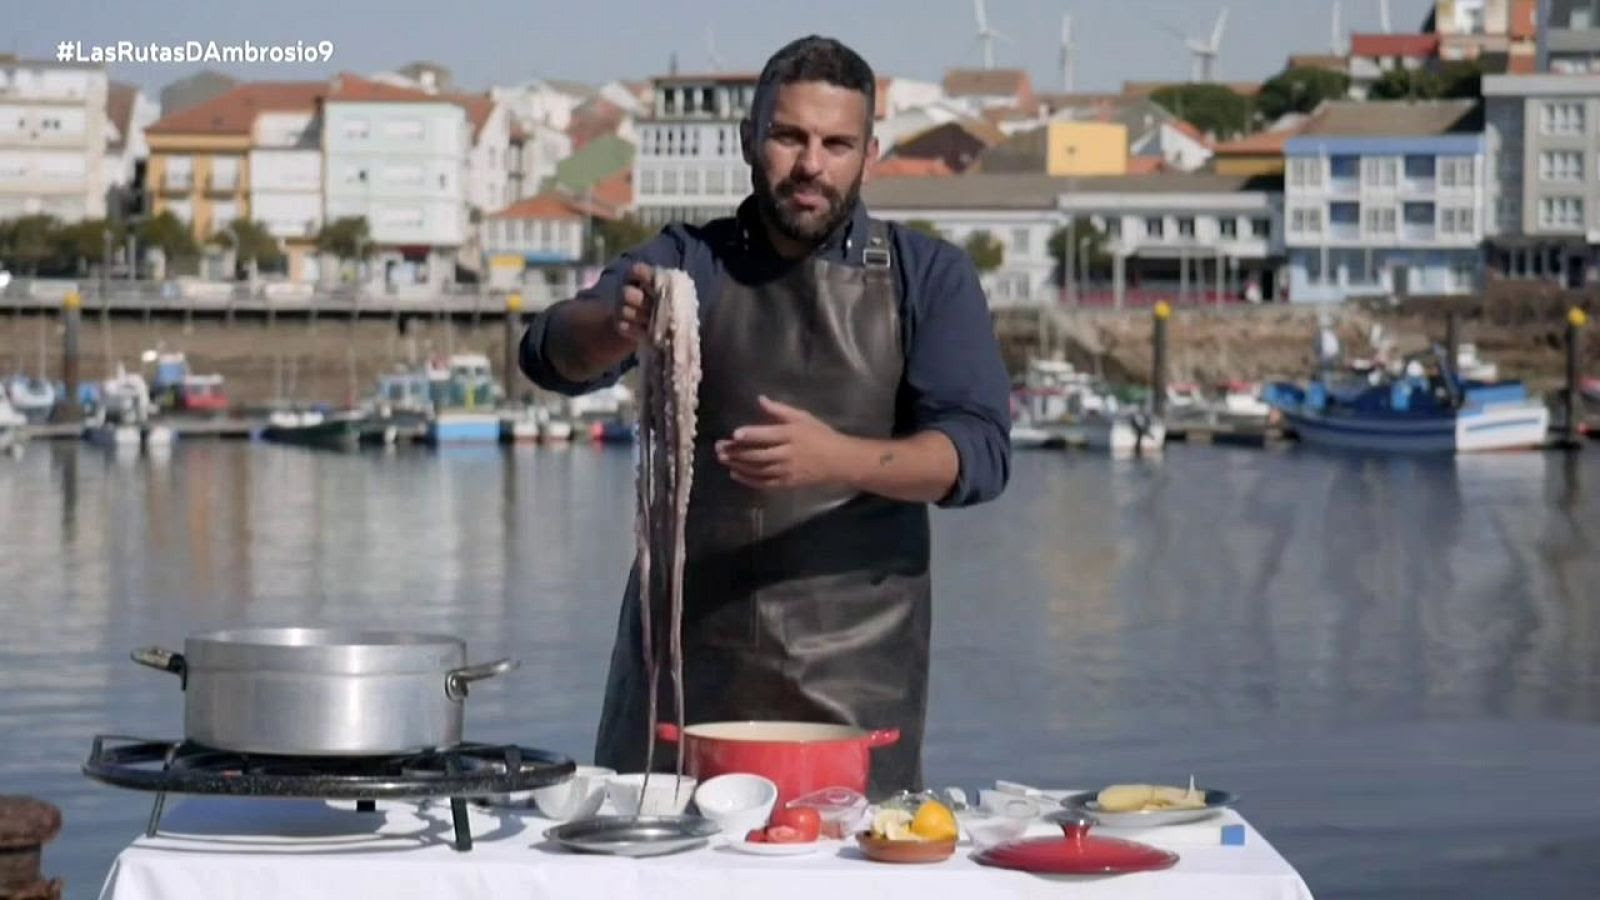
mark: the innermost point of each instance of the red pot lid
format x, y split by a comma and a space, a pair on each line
1078, 853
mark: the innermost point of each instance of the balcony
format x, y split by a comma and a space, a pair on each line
1344, 187
177, 182
1344, 231
1418, 233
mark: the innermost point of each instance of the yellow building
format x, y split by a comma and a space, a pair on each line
1257, 154
200, 165
1086, 148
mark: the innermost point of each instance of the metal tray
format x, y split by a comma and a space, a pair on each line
633, 835
1088, 803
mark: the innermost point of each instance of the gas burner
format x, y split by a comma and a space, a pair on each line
458, 772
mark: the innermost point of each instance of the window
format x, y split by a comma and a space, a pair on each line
402, 174
223, 214
1113, 228
544, 233
1380, 220
1314, 267
715, 182
1186, 226
669, 101
1344, 214
708, 100
1419, 213
1465, 273
1305, 173
1561, 212
1561, 165
647, 181
1155, 227
357, 128
13, 165
1456, 221
1420, 168
1306, 221
1261, 228
1020, 241
1228, 226
1561, 118
691, 181
402, 217
1457, 171
1379, 171
669, 181
1344, 168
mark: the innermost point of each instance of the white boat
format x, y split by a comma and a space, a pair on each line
553, 429
34, 398
1124, 433
12, 424
1242, 400
1472, 367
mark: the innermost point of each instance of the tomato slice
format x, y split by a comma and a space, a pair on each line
783, 834
758, 836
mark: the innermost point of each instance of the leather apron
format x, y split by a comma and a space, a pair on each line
799, 604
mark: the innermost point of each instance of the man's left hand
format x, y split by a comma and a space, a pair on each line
796, 450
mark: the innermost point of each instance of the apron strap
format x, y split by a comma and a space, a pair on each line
876, 254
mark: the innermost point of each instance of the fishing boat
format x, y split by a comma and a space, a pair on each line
124, 416
34, 398
175, 386
1413, 413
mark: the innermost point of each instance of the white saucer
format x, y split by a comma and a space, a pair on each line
764, 849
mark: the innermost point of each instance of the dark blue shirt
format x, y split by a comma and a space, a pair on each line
954, 381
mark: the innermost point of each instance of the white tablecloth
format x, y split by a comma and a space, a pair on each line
244, 849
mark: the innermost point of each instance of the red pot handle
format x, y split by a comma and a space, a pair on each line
668, 732
883, 738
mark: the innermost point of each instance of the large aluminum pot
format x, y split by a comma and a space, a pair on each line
799, 757
322, 692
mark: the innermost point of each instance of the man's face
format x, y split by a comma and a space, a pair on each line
807, 166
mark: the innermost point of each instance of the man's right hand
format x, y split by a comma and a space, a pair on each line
635, 302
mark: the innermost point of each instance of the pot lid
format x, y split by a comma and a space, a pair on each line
1077, 853
347, 651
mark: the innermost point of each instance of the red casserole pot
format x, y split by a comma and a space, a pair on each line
799, 757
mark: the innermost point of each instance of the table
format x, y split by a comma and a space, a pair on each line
224, 848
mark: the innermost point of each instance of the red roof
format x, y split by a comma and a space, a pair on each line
1409, 46
235, 111
910, 165
615, 193
478, 106
1146, 165
1190, 130
350, 88
594, 118
1271, 142
548, 205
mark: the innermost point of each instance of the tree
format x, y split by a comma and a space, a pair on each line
251, 241
1461, 79
1407, 84
986, 251
82, 243
30, 242
1299, 90
171, 234
346, 238
923, 226
613, 236
1085, 237
1212, 108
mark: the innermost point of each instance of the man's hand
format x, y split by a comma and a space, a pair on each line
630, 316
796, 450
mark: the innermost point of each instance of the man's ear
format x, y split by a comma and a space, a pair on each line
747, 141
873, 150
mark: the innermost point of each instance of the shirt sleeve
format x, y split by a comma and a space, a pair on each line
665, 249
956, 378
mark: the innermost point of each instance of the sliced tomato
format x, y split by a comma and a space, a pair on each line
803, 819
758, 836
783, 834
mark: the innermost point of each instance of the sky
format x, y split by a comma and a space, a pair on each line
485, 42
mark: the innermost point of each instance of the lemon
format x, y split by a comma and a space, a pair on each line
935, 822
893, 825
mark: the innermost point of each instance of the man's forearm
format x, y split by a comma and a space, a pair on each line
580, 341
921, 468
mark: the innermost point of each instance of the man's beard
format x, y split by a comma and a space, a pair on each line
792, 224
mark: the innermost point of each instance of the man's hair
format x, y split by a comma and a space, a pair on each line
813, 58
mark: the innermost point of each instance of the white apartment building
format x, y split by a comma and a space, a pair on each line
689, 166
53, 139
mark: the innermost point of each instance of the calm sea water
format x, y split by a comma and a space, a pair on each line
1395, 663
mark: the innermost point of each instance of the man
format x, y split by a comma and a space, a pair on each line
850, 378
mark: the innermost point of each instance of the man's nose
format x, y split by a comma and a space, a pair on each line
809, 162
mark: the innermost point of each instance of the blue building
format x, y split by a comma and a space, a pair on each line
1385, 199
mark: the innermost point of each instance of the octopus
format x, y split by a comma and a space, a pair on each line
669, 367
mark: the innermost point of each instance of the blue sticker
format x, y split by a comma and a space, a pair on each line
1233, 835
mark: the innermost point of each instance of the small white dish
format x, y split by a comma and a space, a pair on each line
579, 797
759, 848
739, 803
666, 798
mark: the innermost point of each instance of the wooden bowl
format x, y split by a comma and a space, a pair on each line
885, 850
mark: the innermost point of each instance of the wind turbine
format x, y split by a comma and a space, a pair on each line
1069, 54
1336, 45
1384, 21
1205, 53
717, 65
986, 35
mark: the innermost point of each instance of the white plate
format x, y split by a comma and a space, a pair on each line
765, 849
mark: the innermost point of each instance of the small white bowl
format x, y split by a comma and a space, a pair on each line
665, 798
579, 797
1012, 806
986, 829
737, 802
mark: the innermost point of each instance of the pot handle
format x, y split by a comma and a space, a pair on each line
668, 732
165, 660
456, 680
883, 738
